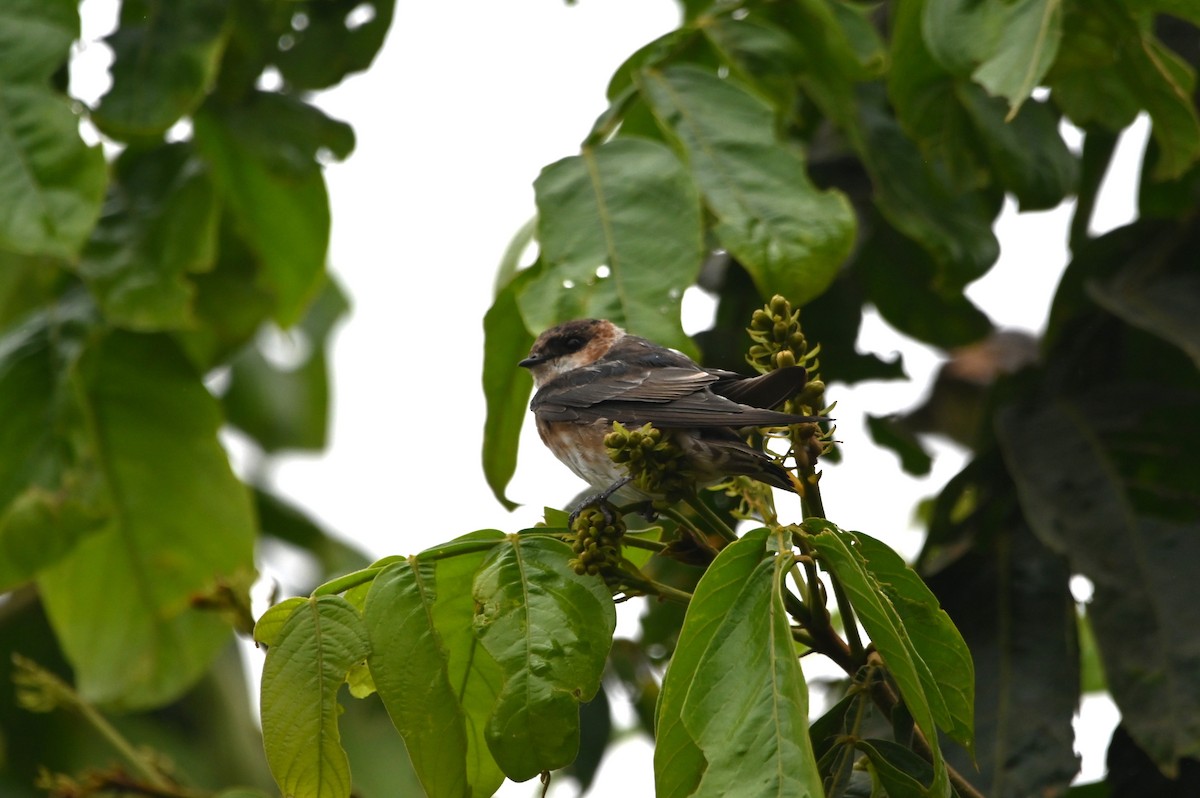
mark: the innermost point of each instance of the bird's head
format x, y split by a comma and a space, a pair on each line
570, 345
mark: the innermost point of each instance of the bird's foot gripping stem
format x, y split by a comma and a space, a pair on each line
601, 502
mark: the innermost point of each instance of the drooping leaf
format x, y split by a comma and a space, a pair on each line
180, 522
263, 158
302, 674
901, 772
506, 388
620, 236
51, 183
409, 666
35, 38
733, 716
886, 432
549, 629
922, 694
165, 59
159, 225
789, 235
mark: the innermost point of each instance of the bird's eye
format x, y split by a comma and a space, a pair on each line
574, 343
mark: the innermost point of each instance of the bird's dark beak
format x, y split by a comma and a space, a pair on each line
530, 361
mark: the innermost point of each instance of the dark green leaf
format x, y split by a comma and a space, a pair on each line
286, 406
506, 388
886, 432
550, 630
159, 225
733, 716
790, 236
35, 37
1113, 507
1009, 596
1166, 305
338, 38
51, 183
317, 646
761, 54
263, 157
409, 666
180, 521
901, 772
626, 206
166, 57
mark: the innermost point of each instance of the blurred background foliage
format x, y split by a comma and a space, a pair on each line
847, 154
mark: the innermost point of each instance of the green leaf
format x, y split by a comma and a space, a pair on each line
1099, 479
268, 630
35, 38
506, 388
166, 57
955, 229
286, 406
934, 638
51, 183
791, 237
339, 37
1111, 67
761, 54
733, 715
1007, 47
888, 432
302, 673
1164, 304
263, 156
476, 676
409, 666
159, 225
629, 207
841, 555
180, 521
550, 630
901, 772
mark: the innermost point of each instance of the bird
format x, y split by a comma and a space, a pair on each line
589, 373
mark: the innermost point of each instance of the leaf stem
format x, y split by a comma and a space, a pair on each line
715, 521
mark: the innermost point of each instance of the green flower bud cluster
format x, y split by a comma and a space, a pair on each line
778, 340
597, 541
650, 456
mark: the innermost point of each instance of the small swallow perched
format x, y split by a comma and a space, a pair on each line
590, 373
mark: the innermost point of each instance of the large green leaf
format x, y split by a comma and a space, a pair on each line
165, 58
840, 553
550, 630
35, 38
1165, 304
51, 183
789, 235
506, 388
761, 54
934, 637
263, 155
180, 522
1007, 47
1104, 478
317, 646
626, 206
409, 667
159, 225
475, 675
733, 715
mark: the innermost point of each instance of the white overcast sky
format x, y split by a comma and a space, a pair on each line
464, 105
